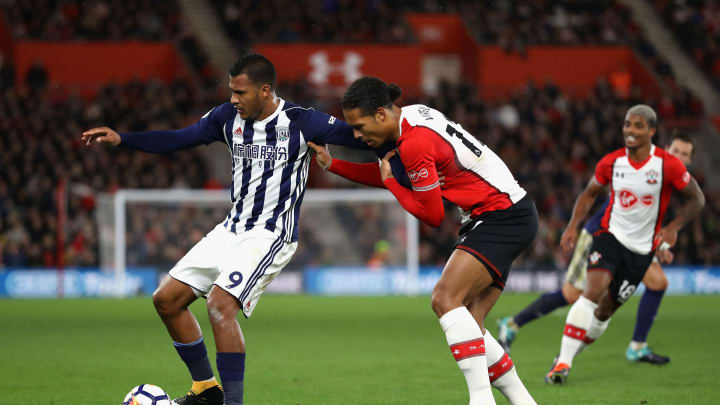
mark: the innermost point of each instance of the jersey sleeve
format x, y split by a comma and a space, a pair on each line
417, 157
206, 130
424, 201
323, 128
363, 173
603, 169
675, 172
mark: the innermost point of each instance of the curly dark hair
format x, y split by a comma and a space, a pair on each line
370, 93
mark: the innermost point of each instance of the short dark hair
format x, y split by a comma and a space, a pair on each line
257, 68
370, 93
683, 137
644, 111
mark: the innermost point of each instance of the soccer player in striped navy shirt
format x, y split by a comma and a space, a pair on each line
233, 263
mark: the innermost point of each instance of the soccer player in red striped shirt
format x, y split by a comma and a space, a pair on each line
499, 219
641, 177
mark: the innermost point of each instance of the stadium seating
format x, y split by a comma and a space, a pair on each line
549, 139
696, 25
39, 139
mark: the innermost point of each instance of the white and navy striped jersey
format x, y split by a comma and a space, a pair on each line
270, 159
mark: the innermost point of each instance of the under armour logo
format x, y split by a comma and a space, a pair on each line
323, 68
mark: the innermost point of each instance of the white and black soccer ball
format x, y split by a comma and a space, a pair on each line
147, 394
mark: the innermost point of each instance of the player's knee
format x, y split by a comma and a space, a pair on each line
657, 281
443, 302
163, 303
222, 308
571, 294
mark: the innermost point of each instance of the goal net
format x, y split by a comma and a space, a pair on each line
352, 240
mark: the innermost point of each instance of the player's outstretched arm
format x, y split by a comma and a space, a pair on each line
695, 201
101, 135
363, 173
580, 211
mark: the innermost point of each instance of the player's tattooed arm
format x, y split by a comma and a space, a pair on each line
695, 201
580, 211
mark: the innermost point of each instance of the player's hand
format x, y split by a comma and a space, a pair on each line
667, 235
385, 169
441, 179
665, 255
568, 239
101, 135
322, 155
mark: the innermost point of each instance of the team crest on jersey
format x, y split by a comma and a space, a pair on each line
652, 176
417, 175
283, 133
595, 257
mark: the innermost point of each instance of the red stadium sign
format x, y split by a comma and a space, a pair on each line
340, 65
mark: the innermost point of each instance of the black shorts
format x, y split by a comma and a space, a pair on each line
496, 238
626, 267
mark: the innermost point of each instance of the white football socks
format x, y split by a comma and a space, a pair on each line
502, 373
578, 322
597, 328
468, 347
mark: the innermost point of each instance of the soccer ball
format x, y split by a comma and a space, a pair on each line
147, 394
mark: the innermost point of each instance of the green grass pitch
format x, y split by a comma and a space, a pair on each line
340, 350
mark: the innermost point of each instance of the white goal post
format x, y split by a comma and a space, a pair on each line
113, 237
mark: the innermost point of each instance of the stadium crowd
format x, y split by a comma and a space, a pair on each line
696, 25
104, 20
39, 132
548, 139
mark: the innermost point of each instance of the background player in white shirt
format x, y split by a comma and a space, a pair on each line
680, 146
641, 178
233, 264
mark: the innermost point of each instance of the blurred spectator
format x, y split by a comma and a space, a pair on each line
339, 21
61, 20
7, 73
36, 77
696, 26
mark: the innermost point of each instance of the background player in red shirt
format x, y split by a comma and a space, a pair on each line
499, 220
641, 178
682, 147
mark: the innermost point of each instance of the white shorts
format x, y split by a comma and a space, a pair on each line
242, 264
576, 273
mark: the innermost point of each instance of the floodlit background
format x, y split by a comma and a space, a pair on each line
544, 83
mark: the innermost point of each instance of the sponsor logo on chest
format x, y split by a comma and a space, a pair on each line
628, 199
245, 153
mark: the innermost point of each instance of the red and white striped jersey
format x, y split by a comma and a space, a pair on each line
476, 179
639, 195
